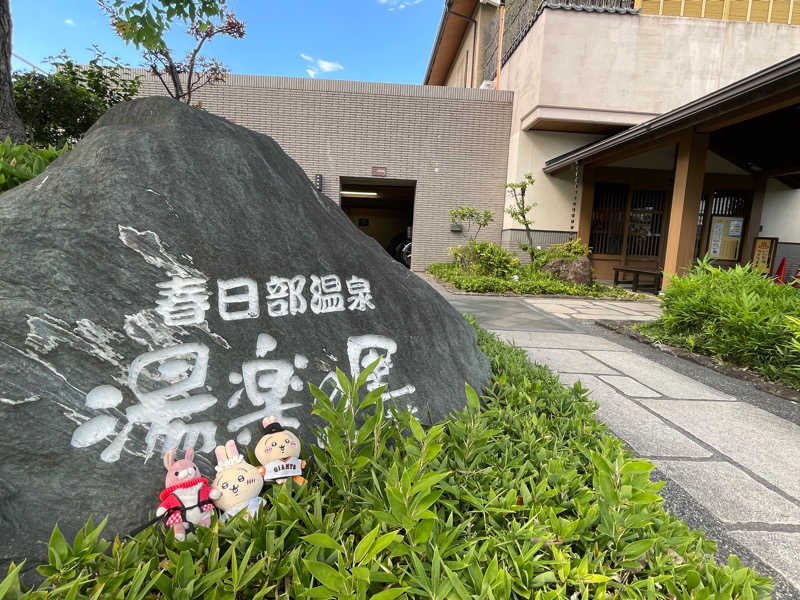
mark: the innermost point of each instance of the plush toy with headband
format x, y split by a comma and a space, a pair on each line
279, 453
238, 481
186, 501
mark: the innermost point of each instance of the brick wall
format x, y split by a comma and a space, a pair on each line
453, 142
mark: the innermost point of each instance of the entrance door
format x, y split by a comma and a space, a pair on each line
382, 209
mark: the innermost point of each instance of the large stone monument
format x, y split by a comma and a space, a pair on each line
173, 280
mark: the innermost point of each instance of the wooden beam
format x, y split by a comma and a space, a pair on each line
686, 194
753, 224
586, 204
788, 98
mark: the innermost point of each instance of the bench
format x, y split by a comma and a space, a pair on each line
619, 279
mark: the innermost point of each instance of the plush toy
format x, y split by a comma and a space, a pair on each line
279, 453
238, 481
187, 499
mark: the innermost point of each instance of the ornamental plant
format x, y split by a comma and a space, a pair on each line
521, 494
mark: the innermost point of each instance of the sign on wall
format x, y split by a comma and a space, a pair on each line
764, 254
725, 237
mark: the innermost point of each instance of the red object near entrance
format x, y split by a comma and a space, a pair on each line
780, 274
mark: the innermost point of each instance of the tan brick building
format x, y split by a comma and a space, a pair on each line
431, 148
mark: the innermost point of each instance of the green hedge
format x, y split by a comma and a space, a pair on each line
524, 495
19, 163
737, 315
529, 281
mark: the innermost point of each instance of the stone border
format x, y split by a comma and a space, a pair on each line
771, 387
451, 289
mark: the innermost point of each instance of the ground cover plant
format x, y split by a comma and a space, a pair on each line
522, 494
21, 162
485, 267
736, 315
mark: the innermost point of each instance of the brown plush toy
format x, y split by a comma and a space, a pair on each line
279, 453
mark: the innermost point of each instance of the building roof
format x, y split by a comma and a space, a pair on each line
448, 39
772, 89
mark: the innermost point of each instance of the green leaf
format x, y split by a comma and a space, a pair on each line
323, 540
595, 578
636, 549
365, 544
389, 594
326, 575
472, 399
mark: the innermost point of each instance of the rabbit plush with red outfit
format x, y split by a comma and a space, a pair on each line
187, 499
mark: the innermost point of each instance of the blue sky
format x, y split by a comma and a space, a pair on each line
368, 40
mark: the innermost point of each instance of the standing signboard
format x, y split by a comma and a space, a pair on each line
764, 254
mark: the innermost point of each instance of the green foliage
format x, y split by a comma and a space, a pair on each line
520, 208
21, 162
569, 250
485, 259
527, 279
522, 494
469, 216
144, 22
737, 315
58, 108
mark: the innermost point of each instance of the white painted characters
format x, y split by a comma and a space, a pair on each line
238, 482
184, 299
266, 383
161, 381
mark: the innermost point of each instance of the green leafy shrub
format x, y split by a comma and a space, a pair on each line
521, 495
737, 315
485, 259
21, 162
529, 280
569, 250
469, 216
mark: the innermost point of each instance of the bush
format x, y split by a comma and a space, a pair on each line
568, 250
21, 162
523, 495
737, 315
485, 259
529, 280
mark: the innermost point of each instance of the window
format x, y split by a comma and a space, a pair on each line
608, 218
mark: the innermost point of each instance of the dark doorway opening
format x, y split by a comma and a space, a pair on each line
383, 209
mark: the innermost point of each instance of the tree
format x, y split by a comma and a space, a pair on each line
470, 216
58, 108
144, 23
520, 209
10, 123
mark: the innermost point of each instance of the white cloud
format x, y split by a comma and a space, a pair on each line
69, 21
398, 4
326, 66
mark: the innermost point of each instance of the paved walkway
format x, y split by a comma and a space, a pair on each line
730, 453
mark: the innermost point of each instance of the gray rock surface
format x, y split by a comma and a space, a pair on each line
577, 271
120, 330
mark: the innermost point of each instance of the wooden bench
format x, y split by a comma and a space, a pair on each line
619, 281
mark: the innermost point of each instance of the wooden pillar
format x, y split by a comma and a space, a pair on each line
686, 193
753, 226
586, 205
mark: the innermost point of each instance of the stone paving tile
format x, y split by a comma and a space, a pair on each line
658, 377
646, 433
548, 339
778, 549
630, 387
754, 438
729, 493
607, 316
562, 360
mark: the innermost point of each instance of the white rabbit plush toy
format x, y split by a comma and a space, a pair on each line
239, 482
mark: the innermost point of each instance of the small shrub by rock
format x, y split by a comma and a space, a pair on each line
522, 494
485, 259
21, 162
